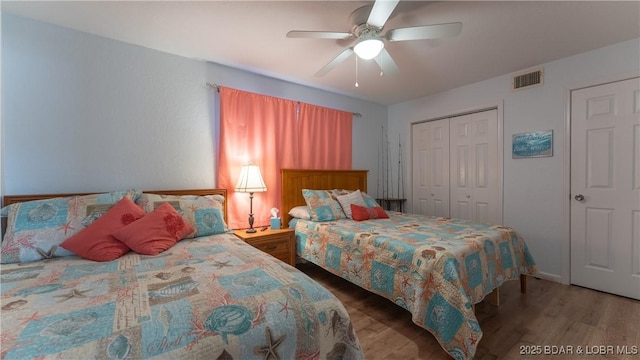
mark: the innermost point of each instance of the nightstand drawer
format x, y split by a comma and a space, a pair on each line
273, 247
277, 243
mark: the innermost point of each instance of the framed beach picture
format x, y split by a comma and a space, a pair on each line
532, 144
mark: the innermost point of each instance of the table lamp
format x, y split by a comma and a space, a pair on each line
250, 181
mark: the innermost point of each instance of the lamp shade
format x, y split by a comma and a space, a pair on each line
250, 180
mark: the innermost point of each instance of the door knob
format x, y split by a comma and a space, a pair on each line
579, 197
468, 196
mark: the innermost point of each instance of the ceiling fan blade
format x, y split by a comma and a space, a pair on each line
386, 63
333, 63
424, 32
381, 11
319, 34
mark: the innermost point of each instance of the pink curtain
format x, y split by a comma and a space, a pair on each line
258, 129
275, 133
325, 138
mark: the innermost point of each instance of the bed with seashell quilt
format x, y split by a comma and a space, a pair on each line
141, 275
436, 268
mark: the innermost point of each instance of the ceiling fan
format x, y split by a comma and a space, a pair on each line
367, 24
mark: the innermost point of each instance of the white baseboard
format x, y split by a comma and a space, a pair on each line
550, 277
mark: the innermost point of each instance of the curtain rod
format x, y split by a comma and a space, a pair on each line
216, 87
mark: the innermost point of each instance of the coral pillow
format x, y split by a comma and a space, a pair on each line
95, 241
156, 232
360, 213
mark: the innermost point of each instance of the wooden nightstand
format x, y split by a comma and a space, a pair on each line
277, 243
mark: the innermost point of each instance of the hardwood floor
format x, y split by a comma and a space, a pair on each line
549, 314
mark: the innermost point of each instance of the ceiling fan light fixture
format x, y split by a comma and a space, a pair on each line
368, 48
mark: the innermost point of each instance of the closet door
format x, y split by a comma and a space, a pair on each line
431, 168
474, 167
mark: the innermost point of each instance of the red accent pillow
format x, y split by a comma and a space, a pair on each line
95, 241
360, 213
156, 232
380, 214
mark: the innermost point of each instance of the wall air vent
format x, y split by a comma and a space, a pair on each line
527, 79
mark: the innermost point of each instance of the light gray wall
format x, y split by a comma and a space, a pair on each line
534, 192
86, 113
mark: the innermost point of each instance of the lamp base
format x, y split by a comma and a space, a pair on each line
251, 230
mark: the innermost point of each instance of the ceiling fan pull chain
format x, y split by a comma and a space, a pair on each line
356, 71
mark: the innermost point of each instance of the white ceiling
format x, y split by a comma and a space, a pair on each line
498, 37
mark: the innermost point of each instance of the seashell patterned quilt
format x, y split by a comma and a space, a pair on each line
212, 297
436, 268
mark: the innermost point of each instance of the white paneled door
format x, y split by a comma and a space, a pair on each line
474, 169
605, 188
431, 168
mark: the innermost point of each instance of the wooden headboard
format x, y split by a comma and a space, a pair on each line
12, 199
294, 180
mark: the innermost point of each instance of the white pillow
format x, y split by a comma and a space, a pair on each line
300, 212
345, 201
